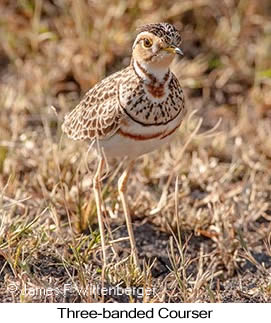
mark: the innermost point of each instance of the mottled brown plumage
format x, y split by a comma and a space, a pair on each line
98, 115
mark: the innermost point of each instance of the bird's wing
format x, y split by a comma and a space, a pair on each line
99, 113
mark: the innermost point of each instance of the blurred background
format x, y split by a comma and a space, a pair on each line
53, 51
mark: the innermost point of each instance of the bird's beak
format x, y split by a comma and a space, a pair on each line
179, 51
174, 50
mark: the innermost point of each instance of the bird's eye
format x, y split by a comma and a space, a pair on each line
147, 43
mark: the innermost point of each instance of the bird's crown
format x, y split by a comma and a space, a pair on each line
164, 31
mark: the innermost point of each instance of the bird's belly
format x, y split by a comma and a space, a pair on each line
134, 140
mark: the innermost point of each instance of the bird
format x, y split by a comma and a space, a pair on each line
131, 112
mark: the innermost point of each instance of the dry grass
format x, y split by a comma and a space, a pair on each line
210, 239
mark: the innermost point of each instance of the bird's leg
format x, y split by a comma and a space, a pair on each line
122, 185
98, 199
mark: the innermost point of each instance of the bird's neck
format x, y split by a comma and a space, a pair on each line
151, 74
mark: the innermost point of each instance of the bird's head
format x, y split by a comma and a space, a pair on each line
156, 45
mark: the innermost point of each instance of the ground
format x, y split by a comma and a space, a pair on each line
201, 207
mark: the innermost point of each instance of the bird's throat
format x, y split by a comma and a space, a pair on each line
151, 74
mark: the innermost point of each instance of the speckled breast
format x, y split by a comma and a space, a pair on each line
151, 104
